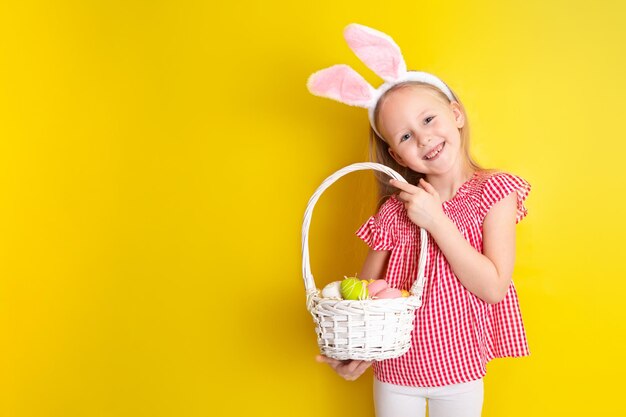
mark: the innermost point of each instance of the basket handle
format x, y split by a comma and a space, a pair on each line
309, 282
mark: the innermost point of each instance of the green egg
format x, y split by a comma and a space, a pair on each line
353, 289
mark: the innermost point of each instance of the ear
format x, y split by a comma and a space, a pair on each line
341, 83
395, 156
459, 118
377, 50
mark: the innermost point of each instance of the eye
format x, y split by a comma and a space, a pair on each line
405, 137
428, 119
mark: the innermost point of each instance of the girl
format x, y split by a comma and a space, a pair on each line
470, 312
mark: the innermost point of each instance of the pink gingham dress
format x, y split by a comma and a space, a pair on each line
455, 333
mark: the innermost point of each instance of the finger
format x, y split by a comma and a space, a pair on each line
352, 366
427, 187
406, 197
403, 185
325, 359
402, 196
362, 367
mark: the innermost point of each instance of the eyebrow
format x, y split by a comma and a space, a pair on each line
419, 115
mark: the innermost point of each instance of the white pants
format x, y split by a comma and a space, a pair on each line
457, 400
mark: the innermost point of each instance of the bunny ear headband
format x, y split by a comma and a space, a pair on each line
380, 54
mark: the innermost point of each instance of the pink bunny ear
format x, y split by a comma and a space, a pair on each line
341, 83
377, 50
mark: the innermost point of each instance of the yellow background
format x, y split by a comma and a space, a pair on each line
156, 158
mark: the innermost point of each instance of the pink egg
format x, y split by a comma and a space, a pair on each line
377, 286
389, 293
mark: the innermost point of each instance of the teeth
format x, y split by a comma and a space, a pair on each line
432, 155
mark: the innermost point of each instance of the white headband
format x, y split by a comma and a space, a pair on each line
380, 54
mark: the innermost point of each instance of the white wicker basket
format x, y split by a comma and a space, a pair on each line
361, 329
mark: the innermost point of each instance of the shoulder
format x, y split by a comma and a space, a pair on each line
380, 230
495, 185
391, 207
494, 178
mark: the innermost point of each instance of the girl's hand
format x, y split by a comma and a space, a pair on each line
422, 205
349, 370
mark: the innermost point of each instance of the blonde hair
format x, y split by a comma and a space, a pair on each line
379, 149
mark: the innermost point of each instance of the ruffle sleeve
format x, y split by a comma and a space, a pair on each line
377, 231
499, 186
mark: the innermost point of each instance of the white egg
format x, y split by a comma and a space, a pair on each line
332, 290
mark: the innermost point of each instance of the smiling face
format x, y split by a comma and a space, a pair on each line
422, 129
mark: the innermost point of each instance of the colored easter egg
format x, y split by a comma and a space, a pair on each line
332, 290
405, 293
389, 293
376, 287
353, 289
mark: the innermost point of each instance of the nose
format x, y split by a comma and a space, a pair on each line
423, 141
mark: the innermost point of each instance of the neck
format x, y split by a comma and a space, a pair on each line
448, 183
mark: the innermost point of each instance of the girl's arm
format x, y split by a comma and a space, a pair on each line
487, 274
374, 267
